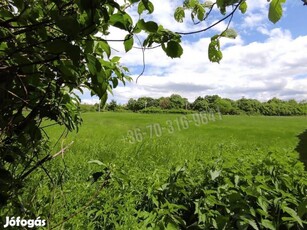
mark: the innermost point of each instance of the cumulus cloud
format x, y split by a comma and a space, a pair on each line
259, 70
273, 67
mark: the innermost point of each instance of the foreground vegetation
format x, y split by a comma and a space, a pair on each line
240, 172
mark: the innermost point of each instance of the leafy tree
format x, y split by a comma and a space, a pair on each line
165, 103
224, 106
200, 104
249, 106
112, 105
212, 99
177, 102
148, 102
131, 105
48, 49
141, 103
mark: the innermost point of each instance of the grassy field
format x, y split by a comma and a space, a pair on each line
106, 137
142, 150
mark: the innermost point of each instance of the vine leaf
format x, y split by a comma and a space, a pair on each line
229, 33
128, 43
243, 7
275, 10
214, 50
173, 49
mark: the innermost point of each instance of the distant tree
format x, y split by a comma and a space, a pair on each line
150, 102
200, 104
249, 106
224, 106
131, 105
177, 102
275, 100
303, 106
164, 103
267, 109
141, 103
112, 106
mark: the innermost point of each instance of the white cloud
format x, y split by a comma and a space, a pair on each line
256, 70
275, 67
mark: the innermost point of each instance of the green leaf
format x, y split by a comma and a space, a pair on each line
105, 47
191, 3
121, 21
148, 5
221, 4
115, 59
263, 203
61, 46
73, 52
145, 5
293, 214
268, 224
215, 174
243, 7
115, 82
68, 72
200, 13
173, 49
141, 8
5, 14
68, 24
275, 10
229, 33
93, 64
302, 208
128, 43
171, 226
253, 224
151, 26
179, 14
89, 46
214, 52
57, 46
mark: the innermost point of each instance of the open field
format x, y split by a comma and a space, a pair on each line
142, 152
102, 136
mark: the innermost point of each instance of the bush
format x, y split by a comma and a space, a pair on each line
263, 195
270, 193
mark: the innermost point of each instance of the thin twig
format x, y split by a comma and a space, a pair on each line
62, 150
143, 57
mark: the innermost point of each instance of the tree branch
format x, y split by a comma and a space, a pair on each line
214, 24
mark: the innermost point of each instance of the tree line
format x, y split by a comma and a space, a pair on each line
178, 104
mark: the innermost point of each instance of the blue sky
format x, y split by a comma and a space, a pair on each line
266, 60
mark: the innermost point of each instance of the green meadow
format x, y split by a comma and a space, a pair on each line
152, 168
102, 136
